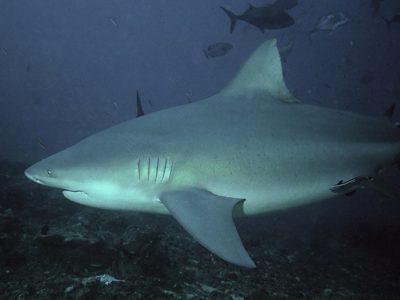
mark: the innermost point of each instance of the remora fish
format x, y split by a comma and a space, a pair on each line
217, 49
273, 16
251, 148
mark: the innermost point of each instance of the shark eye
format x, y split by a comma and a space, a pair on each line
49, 173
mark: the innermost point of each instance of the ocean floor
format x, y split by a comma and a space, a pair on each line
51, 248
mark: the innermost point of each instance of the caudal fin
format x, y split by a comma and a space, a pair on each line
232, 17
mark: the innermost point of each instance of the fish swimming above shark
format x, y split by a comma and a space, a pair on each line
273, 16
252, 148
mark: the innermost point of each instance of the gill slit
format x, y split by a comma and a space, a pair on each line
165, 168
170, 170
158, 161
148, 170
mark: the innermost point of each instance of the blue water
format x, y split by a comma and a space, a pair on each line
70, 68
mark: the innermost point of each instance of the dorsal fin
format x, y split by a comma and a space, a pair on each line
139, 109
261, 75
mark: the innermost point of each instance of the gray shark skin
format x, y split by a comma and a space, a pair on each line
250, 149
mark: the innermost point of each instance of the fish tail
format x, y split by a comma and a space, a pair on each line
231, 16
205, 53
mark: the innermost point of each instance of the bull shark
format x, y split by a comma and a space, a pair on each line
250, 149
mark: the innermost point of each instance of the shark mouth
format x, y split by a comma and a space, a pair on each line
34, 179
65, 192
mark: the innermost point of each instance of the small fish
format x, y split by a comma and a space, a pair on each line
394, 19
272, 16
328, 23
217, 49
331, 22
4, 50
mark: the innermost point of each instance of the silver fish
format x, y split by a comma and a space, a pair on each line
217, 49
332, 21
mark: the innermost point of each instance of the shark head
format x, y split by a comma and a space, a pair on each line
67, 170
60, 171
96, 175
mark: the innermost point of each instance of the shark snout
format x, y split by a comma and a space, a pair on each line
44, 174
29, 175
41, 175
38, 175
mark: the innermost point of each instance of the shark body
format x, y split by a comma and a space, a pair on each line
250, 149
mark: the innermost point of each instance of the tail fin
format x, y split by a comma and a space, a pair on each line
232, 17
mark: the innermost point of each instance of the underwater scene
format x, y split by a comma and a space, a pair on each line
199, 149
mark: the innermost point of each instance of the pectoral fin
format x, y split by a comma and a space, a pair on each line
208, 218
